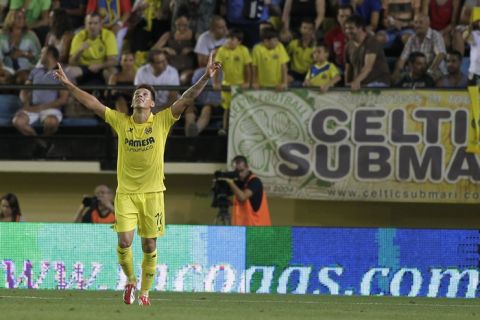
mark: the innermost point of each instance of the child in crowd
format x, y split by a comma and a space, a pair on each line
322, 74
236, 61
269, 59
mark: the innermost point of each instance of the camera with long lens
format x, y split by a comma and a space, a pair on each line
91, 202
221, 192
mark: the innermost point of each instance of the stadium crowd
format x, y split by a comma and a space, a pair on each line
262, 44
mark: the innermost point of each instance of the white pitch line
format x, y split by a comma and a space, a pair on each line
271, 301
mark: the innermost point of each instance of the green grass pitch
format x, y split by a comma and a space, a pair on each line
98, 305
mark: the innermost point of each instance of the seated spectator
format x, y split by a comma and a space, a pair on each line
322, 74
114, 14
269, 60
126, 76
149, 20
398, 16
61, 33
427, 41
197, 117
93, 54
36, 15
369, 10
300, 51
472, 36
19, 47
75, 9
294, 14
236, 71
159, 73
455, 78
179, 46
443, 16
42, 105
10, 209
366, 65
211, 39
335, 39
200, 13
97, 209
417, 76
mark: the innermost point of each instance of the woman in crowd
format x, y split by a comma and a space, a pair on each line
10, 208
19, 47
61, 33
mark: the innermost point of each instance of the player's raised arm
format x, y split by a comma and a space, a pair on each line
86, 99
189, 95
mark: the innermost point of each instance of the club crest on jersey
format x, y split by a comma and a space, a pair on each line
148, 130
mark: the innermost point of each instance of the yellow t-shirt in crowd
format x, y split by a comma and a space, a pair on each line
234, 62
103, 46
321, 74
140, 166
269, 64
301, 57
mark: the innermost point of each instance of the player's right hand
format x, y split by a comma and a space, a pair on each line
59, 74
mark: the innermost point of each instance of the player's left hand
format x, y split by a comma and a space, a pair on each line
213, 66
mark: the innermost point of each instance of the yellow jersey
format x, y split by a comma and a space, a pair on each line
234, 62
103, 46
321, 74
140, 165
269, 64
301, 57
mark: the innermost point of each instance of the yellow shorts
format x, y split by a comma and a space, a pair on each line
143, 209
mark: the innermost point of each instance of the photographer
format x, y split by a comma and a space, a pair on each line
97, 209
250, 206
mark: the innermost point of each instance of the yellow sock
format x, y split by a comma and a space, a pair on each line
149, 266
125, 258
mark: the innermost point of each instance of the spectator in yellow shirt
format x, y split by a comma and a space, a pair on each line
300, 51
269, 59
93, 54
322, 74
237, 66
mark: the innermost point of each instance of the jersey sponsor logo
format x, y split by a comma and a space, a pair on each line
139, 143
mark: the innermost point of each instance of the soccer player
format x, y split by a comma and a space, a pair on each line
140, 171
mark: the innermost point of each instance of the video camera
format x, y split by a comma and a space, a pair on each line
90, 202
221, 192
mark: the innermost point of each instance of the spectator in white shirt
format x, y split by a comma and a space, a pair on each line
211, 39
159, 73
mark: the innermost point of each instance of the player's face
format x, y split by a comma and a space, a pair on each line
142, 98
5, 208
